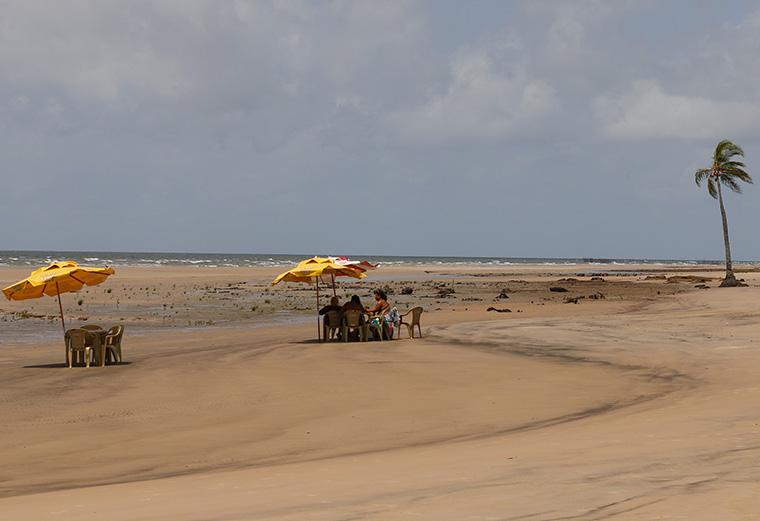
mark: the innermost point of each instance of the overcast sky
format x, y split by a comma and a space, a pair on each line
437, 127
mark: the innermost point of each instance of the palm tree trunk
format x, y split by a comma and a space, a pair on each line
730, 279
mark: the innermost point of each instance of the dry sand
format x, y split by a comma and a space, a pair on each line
638, 405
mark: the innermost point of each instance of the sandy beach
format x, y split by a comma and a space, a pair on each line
631, 395
561, 195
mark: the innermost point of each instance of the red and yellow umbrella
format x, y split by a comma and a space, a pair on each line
313, 269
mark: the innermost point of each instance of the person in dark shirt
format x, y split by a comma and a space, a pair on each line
333, 306
335, 322
354, 304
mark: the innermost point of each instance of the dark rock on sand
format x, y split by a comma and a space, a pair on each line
445, 292
558, 289
688, 279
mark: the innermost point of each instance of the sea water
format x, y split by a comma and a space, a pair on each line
40, 258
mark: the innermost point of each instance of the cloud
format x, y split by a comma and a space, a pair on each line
647, 112
482, 101
239, 65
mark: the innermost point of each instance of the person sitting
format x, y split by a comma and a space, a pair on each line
384, 314
333, 306
381, 303
354, 304
334, 322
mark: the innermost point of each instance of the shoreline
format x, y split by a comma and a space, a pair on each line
186, 298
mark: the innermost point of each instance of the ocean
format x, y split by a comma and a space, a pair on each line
40, 258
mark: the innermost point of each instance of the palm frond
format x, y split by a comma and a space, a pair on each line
711, 189
733, 185
737, 173
741, 175
726, 150
701, 175
733, 164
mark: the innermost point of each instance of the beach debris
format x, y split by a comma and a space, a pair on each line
597, 279
499, 310
702, 286
597, 296
388, 290
407, 290
692, 279
472, 299
569, 279
558, 289
10, 316
444, 292
573, 300
503, 294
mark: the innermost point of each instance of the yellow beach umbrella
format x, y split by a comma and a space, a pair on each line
59, 277
311, 270
316, 267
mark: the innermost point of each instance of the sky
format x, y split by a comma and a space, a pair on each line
438, 127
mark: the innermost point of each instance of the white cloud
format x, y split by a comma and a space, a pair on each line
92, 53
261, 71
481, 101
647, 112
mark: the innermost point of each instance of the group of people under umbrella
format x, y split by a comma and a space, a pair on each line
322, 269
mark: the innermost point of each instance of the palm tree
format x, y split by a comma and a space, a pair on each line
726, 170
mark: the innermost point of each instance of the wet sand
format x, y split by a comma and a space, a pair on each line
639, 405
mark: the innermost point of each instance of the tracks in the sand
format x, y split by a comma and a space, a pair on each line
241, 389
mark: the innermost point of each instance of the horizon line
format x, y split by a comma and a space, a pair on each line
429, 256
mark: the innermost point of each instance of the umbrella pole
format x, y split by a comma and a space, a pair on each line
332, 276
319, 334
60, 308
63, 323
